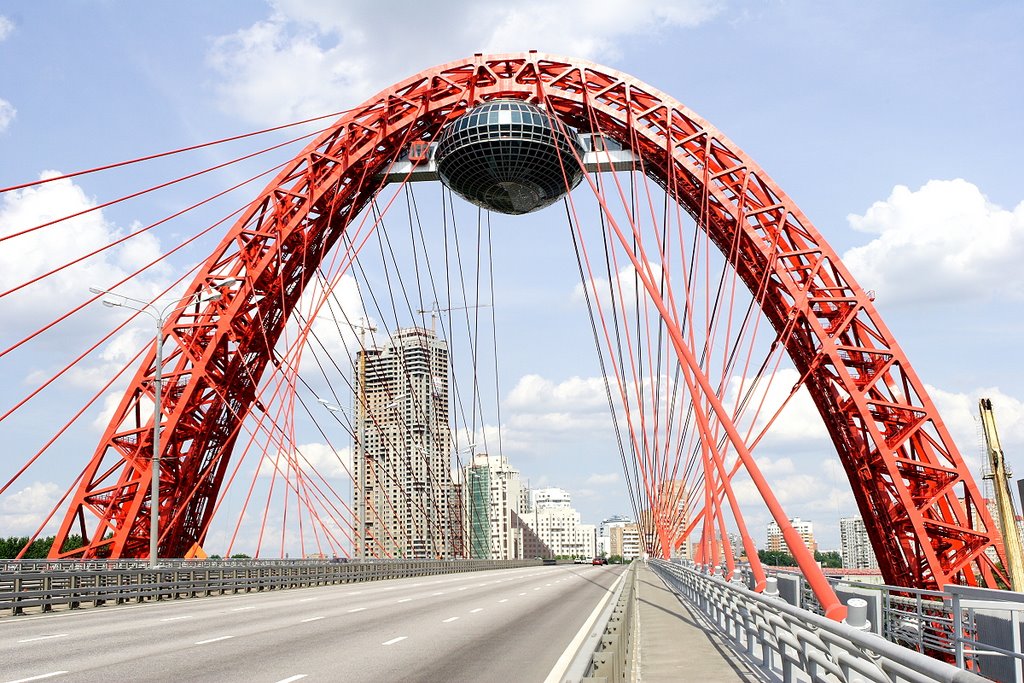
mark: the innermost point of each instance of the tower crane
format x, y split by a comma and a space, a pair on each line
1004, 502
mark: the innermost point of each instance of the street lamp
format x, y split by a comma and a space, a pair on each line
160, 316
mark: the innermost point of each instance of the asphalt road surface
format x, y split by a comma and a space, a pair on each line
499, 625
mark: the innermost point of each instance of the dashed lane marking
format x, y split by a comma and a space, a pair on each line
32, 640
39, 677
304, 621
449, 620
394, 640
357, 609
292, 679
478, 609
213, 640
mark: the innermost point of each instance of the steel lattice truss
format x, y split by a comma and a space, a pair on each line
906, 474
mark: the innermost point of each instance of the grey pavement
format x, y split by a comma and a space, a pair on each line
499, 625
671, 645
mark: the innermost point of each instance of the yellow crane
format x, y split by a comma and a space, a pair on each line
1004, 502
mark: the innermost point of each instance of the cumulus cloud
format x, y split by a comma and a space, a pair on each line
22, 511
943, 242
959, 411
7, 110
625, 288
328, 462
7, 114
27, 256
536, 394
603, 479
314, 56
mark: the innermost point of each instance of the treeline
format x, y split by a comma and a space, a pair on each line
40, 548
780, 558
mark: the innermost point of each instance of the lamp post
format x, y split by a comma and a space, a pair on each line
160, 316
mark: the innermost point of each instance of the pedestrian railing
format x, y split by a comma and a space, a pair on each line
801, 645
44, 589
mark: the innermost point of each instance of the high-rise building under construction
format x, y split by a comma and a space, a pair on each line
401, 465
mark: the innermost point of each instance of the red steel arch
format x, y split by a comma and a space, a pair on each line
920, 504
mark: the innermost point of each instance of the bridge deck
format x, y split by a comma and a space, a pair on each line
673, 646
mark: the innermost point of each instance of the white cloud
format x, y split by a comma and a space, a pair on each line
7, 110
603, 479
798, 427
7, 114
627, 285
22, 511
328, 462
31, 255
535, 394
944, 242
959, 412
315, 56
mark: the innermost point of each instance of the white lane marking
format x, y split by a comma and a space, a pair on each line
565, 661
505, 600
417, 584
39, 677
478, 609
357, 609
292, 679
537, 588
448, 620
306, 600
304, 621
32, 640
394, 640
405, 600
522, 593
439, 593
390, 588
186, 616
242, 609
355, 593
213, 640
464, 588
547, 584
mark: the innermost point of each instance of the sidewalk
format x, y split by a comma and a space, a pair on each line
671, 646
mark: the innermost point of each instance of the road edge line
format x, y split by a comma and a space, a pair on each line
568, 657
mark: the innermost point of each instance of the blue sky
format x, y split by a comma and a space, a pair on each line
894, 126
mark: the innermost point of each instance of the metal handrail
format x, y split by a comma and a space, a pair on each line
802, 641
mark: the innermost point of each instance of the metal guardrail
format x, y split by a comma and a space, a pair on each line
612, 659
62, 585
800, 642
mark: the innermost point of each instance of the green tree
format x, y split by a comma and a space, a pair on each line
832, 559
11, 546
776, 558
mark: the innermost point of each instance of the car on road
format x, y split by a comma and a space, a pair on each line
599, 560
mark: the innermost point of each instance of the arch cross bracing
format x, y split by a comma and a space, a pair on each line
919, 502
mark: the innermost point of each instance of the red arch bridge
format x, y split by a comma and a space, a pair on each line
712, 301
